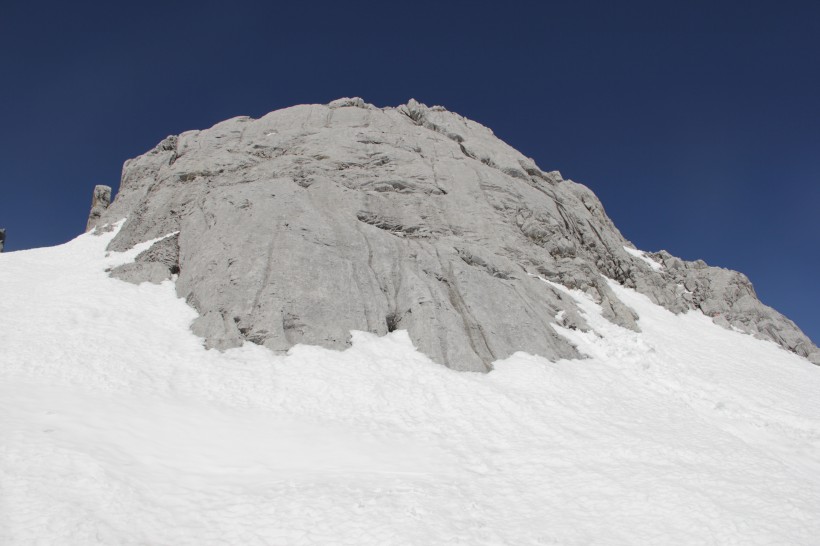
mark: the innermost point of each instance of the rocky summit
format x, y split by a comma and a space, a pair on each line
316, 220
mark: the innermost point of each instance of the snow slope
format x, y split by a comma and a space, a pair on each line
117, 427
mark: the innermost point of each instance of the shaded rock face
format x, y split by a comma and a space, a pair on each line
320, 219
157, 264
99, 203
2, 239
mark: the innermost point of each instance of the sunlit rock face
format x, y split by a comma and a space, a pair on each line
316, 220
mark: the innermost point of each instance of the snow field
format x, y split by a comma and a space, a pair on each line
117, 427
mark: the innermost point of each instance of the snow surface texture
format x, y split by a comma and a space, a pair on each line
118, 427
317, 220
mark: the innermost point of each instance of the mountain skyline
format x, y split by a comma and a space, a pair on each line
396, 218
693, 125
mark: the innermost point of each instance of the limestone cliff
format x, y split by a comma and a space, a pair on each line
320, 219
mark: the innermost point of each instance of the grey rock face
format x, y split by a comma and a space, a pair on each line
2, 239
158, 263
99, 202
730, 299
320, 219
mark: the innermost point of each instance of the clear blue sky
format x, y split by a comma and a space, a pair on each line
696, 123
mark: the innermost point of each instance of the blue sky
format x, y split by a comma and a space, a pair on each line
696, 123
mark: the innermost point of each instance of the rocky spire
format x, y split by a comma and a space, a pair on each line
99, 202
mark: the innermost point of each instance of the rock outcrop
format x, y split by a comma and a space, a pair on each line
158, 263
316, 220
2, 238
99, 203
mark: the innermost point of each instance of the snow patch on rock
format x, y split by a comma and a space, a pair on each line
641, 255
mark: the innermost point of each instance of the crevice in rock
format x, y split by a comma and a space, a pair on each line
403, 186
515, 173
478, 262
390, 225
475, 334
392, 321
466, 152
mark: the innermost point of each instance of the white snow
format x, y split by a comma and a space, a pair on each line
117, 427
641, 255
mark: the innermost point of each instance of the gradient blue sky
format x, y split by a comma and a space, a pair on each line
696, 123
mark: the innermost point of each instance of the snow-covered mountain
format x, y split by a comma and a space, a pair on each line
316, 220
642, 413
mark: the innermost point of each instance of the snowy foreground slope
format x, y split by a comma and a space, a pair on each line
118, 427
319, 219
